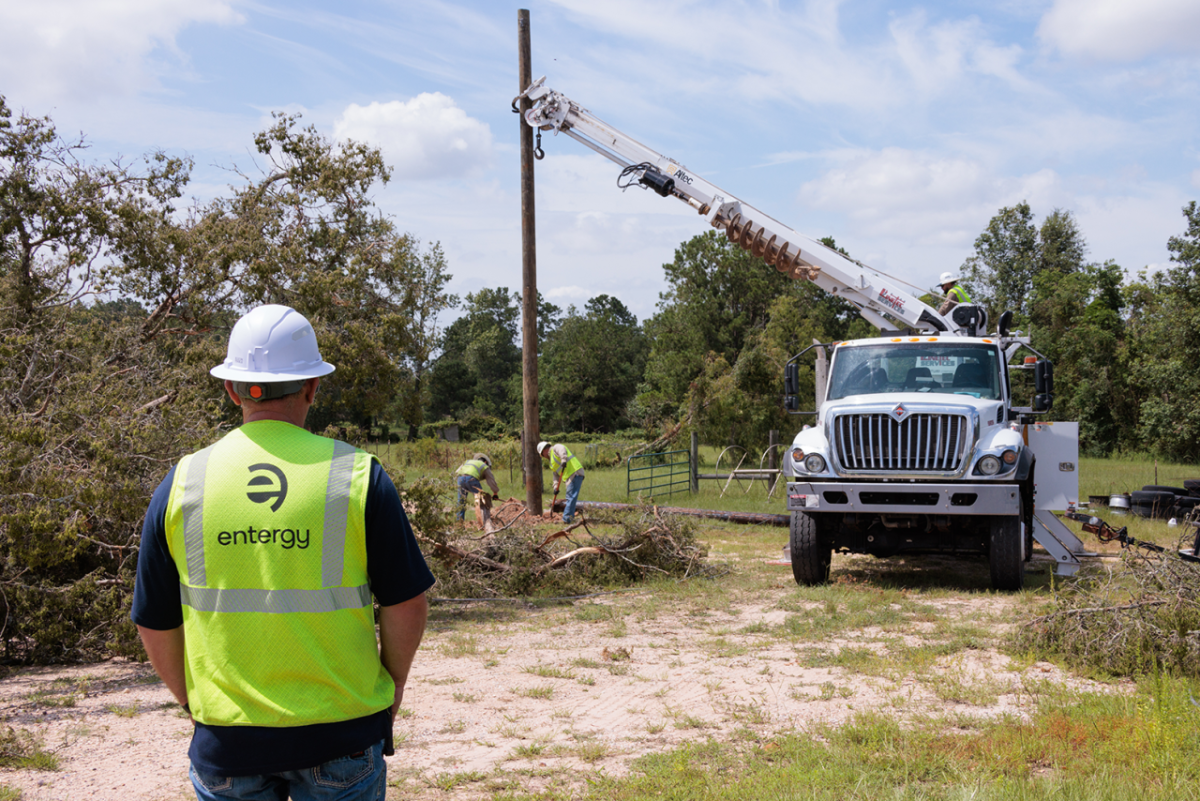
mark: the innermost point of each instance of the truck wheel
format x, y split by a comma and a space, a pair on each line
1006, 553
811, 553
1027, 492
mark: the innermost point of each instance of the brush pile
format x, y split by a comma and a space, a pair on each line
529, 556
1141, 616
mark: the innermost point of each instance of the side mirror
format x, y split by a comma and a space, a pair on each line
1043, 383
1005, 323
1043, 377
791, 403
791, 379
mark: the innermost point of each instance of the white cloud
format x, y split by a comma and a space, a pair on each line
896, 192
1121, 30
425, 138
84, 50
568, 294
1131, 229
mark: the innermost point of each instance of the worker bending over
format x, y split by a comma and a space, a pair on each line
565, 467
476, 469
954, 293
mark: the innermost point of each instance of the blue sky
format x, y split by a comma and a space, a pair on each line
897, 128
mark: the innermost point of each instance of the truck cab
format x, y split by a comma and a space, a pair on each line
917, 447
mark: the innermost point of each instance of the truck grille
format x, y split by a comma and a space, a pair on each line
918, 443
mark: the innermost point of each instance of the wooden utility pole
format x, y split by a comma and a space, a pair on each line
529, 337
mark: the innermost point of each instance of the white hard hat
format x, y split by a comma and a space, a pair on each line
948, 278
543, 445
272, 344
483, 457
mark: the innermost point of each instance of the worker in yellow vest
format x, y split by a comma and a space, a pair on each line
565, 467
476, 469
954, 293
259, 558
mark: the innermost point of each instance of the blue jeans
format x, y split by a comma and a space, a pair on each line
358, 777
466, 484
573, 485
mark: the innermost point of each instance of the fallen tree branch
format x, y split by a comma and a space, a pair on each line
569, 556
462, 555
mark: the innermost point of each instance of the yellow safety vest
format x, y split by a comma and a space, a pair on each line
472, 467
267, 528
572, 465
958, 294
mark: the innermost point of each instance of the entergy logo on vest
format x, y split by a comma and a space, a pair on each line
278, 490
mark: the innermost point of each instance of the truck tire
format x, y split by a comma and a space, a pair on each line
1152, 503
1006, 553
1027, 490
1160, 488
811, 552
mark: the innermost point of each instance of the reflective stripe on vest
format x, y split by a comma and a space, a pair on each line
267, 530
959, 294
472, 467
572, 465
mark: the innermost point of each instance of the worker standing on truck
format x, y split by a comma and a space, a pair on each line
565, 467
954, 293
259, 557
477, 468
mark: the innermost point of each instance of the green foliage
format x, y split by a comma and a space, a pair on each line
24, 750
479, 368
1000, 274
725, 328
1078, 323
591, 366
472, 426
100, 400
1135, 622
1168, 348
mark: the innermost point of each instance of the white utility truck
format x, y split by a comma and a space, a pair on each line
919, 445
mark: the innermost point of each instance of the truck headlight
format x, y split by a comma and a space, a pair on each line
814, 463
989, 465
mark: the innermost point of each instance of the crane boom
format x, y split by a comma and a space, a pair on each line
880, 301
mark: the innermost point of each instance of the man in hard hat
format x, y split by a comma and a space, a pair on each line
954, 293
259, 557
565, 467
476, 469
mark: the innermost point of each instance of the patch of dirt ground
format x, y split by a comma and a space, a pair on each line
507, 699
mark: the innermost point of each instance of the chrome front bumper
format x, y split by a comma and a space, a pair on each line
907, 498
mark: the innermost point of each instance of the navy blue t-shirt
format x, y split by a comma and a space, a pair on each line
397, 573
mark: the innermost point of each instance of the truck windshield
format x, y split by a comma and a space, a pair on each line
967, 369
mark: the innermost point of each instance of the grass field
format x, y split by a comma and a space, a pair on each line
1073, 744
1101, 477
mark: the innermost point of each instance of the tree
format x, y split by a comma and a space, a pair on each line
720, 303
115, 305
1000, 274
1169, 349
426, 276
591, 367
1079, 324
305, 234
92, 413
479, 369
717, 295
